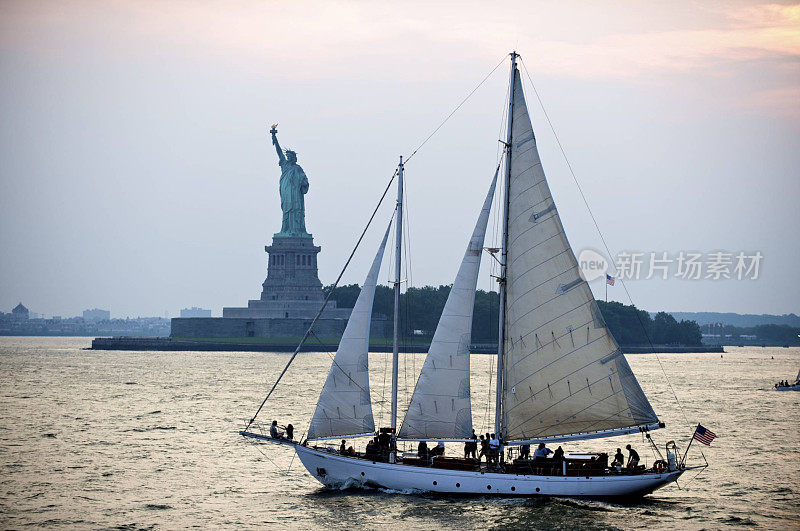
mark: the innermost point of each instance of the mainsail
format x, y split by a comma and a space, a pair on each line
344, 407
440, 406
563, 372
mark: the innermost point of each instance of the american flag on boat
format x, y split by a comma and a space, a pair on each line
703, 435
610, 280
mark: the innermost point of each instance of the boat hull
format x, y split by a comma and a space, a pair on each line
336, 471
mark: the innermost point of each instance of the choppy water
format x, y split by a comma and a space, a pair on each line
148, 439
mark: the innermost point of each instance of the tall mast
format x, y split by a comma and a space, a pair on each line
397, 255
501, 340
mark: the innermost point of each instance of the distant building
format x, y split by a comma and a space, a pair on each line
96, 314
194, 311
20, 313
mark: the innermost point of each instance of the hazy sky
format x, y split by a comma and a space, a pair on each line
137, 174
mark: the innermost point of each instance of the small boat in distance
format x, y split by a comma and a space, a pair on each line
789, 386
561, 375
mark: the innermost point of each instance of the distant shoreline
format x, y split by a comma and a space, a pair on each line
283, 345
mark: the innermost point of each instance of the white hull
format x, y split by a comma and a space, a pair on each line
336, 471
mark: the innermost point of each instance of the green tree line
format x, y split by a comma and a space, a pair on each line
420, 309
767, 333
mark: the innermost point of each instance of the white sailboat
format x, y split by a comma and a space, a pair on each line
560, 374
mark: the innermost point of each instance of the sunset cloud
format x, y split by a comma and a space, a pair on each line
329, 35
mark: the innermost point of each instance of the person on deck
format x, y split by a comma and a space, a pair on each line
540, 457
346, 450
558, 459
273, 431
290, 432
619, 460
438, 450
422, 450
385, 444
471, 447
633, 458
373, 450
525, 451
484, 449
541, 452
494, 450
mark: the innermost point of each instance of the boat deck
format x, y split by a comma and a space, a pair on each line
573, 465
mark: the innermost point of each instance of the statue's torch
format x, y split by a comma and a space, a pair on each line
274, 131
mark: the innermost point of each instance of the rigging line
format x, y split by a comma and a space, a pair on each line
408, 341
386, 358
327, 298
503, 117
257, 447
302, 438
496, 201
403, 339
602, 238
503, 60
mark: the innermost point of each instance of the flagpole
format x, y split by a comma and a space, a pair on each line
606, 290
690, 445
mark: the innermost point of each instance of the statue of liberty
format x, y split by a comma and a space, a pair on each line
293, 186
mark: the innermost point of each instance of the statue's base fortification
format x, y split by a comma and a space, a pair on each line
291, 297
292, 289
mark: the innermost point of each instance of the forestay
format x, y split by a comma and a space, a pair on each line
440, 406
563, 371
344, 407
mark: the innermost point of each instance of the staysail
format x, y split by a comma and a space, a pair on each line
563, 372
344, 407
440, 406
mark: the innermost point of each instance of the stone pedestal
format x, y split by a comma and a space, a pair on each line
292, 271
292, 289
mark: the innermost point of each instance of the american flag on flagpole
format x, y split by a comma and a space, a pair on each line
703, 435
610, 280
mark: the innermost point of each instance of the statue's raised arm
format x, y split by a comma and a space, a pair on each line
274, 131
